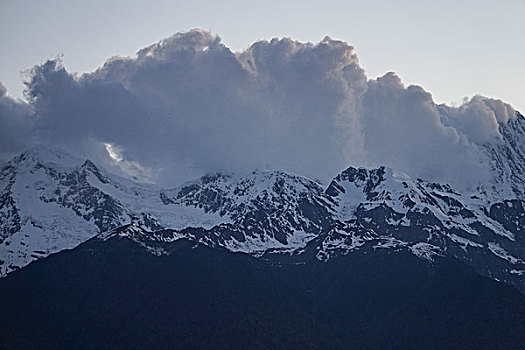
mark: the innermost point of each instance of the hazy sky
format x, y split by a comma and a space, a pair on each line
453, 48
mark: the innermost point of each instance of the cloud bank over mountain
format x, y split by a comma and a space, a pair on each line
189, 105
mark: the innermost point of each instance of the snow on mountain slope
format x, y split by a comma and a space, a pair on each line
51, 201
381, 208
364, 210
245, 213
47, 206
267, 209
507, 161
408, 201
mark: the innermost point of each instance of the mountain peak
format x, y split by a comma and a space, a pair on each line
506, 160
47, 155
364, 178
90, 167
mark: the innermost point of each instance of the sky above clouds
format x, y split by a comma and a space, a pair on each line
201, 101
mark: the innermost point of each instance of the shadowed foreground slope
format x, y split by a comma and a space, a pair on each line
114, 294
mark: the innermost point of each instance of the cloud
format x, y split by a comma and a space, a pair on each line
404, 129
189, 105
478, 118
131, 168
16, 125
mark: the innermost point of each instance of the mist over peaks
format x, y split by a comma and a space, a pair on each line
189, 105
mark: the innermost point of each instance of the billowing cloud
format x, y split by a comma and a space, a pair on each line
478, 118
189, 105
404, 129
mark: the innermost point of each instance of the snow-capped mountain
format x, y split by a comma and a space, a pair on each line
384, 209
50, 201
507, 160
378, 209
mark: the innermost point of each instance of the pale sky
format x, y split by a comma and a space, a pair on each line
453, 48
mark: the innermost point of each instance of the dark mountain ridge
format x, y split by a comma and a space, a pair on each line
113, 293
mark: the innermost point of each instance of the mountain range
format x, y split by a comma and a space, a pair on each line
400, 258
